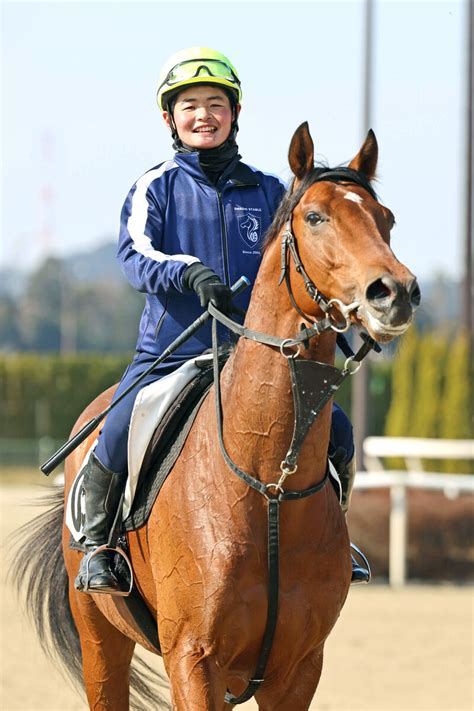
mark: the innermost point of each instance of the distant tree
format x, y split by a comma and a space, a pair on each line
107, 317
10, 339
427, 386
398, 419
403, 377
61, 311
456, 402
40, 309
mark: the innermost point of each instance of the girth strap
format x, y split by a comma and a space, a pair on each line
272, 613
273, 502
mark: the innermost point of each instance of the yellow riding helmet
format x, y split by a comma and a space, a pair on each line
196, 65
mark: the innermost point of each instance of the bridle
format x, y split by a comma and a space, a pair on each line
289, 248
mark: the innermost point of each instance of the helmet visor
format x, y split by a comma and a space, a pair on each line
200, 68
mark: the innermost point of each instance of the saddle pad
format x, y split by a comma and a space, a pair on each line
152, 403
75, 507
161, 459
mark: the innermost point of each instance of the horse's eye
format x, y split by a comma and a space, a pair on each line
313, 219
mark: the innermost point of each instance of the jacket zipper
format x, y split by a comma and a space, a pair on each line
225, 246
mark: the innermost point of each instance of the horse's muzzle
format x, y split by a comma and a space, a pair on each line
390, 305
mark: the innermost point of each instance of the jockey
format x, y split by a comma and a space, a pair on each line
185, 237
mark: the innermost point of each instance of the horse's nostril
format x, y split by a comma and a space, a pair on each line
377, 291
415, 294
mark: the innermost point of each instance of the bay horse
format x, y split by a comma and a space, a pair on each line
200, 562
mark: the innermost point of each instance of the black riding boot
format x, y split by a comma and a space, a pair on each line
346, 471
102, 489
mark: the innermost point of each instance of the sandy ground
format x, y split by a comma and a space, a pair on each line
390, 651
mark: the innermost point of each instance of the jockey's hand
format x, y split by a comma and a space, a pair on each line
208, 286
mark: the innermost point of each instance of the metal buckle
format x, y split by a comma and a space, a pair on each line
278, 490
356, 367
284, 345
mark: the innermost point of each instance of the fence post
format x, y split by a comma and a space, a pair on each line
398, 535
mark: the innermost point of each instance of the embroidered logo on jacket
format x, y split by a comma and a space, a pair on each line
250, 229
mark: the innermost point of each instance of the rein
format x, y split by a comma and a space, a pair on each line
313, 384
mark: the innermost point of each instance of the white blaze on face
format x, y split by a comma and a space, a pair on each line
355, 197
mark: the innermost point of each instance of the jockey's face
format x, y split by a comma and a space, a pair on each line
203, 116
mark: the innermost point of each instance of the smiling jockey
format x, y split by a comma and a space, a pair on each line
190, 227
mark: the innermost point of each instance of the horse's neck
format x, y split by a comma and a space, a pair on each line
257, 400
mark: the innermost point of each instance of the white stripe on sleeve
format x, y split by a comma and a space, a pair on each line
139, 214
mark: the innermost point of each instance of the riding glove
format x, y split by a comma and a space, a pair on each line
208, 286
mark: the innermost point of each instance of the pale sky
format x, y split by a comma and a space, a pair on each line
80, 123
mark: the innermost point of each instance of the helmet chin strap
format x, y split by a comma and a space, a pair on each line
174, 131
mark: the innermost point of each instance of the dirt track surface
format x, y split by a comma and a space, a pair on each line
390, 651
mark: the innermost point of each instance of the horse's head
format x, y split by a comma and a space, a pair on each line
342, 234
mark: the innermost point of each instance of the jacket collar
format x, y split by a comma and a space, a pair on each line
237, 173
243, 175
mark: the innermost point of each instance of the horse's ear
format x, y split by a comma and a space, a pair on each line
301, 153
366, 160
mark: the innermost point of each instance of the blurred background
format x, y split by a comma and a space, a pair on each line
80, 125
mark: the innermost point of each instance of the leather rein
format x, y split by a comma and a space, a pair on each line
320, 381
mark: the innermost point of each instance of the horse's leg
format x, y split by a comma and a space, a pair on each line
106, 656
296, 687
197, 684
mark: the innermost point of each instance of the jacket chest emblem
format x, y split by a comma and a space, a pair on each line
250, 229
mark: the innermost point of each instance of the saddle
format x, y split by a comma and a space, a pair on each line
163, 415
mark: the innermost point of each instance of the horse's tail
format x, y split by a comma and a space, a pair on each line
40, 576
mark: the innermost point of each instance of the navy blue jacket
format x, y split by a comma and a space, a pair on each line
173, 216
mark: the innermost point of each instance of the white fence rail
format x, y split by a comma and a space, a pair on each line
412, 450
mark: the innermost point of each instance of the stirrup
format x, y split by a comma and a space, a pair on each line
85, 585
364, 560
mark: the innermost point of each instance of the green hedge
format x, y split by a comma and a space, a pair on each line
424, 391
432, 391
44, 395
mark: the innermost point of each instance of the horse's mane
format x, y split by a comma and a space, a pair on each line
339, 174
